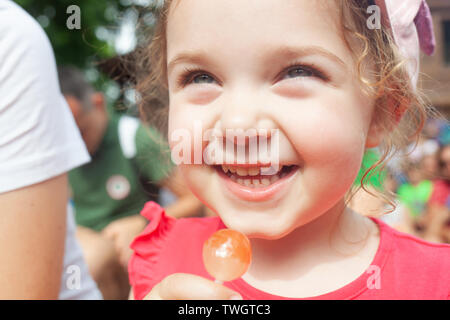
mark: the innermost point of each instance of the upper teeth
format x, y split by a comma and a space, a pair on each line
251, 171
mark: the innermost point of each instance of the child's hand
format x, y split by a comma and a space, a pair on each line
182, 286
122, 232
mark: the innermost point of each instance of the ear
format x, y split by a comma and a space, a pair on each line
375, 134
74, 105
384, 121
98, 101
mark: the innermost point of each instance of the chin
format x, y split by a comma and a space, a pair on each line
258, 224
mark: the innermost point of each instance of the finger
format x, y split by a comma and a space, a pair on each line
182, 286
154, 294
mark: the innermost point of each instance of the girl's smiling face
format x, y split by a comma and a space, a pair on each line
269, 64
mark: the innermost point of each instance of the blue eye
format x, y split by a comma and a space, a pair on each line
194, 76
299, 72
202, 78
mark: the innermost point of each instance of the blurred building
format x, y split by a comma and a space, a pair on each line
436, 69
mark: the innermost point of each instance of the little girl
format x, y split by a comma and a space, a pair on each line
331, 83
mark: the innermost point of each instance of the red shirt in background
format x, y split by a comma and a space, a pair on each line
404, 267
441, 193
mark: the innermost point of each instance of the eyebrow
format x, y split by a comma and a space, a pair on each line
283, 52
188, 56
293, 52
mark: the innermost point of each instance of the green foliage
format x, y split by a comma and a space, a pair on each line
76, 47
94, 41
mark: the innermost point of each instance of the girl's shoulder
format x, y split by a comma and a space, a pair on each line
166, 246
414, 264
410, 247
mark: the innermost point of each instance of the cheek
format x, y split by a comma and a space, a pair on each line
330, 139
201, 94
189, 127
182, 123
196, 178
322, 132
183, 115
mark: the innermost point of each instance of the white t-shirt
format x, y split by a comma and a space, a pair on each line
38, 135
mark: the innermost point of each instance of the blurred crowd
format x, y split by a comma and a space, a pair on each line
419, 179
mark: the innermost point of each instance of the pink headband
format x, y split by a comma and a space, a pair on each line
412, 29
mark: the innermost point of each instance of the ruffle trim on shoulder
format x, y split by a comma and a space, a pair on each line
143, 268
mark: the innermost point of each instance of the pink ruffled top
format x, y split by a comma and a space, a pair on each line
404, 267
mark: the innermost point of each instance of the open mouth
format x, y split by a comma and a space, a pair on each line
255, 177
255, 183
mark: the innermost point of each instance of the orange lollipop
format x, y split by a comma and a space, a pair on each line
227, 255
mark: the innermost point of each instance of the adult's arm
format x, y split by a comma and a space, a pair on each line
39, 143
32, 231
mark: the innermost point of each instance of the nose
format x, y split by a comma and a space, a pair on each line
240, 112
246, 125
245, 114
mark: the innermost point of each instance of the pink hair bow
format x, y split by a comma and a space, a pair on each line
412, 28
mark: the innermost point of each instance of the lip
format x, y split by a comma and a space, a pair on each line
257, 194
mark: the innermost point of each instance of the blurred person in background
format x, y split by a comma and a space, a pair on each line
424, 150
397, 217
39, 143
430, 166
443, 128
130, 165
427, 145
438, 213
431, 134
415, 194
